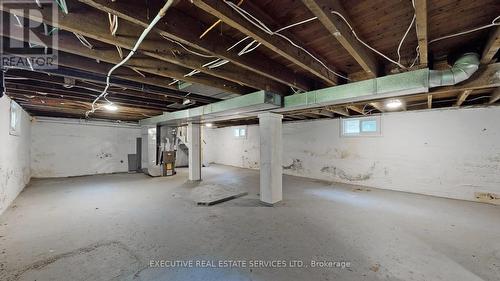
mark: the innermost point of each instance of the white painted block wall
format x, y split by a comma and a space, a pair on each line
450, 153
65, 147
14, 155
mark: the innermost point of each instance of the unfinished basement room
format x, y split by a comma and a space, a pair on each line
238, 140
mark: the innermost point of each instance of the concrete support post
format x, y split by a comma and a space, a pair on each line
194, 141
271, 147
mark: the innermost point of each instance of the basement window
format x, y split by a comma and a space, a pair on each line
15, 119
240, 133
365, 126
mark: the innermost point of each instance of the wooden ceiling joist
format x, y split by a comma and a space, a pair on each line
92, 24
211, 43
356, 108
495, 96
462, 97
378, 106
492, 46
338, 110
82, 95
70, 44
279, 45
160, 84
421, 22
322, 9
57, 80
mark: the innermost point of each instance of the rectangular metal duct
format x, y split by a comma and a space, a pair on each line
243, 106
401, 84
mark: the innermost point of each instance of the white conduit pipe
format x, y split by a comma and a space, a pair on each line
160, 14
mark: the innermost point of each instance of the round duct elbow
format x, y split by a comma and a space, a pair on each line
462, 69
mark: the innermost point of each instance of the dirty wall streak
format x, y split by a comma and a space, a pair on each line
14, 155
452, 153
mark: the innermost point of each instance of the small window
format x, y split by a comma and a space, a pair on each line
365, 126
240, 133
15, 119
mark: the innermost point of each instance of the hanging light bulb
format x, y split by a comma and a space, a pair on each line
394, 103
111, 107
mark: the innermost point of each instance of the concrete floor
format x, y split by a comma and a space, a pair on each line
110, 227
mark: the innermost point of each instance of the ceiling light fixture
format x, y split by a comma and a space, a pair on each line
208, 125
392, 104
111, 107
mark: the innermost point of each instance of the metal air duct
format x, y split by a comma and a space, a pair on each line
462, 69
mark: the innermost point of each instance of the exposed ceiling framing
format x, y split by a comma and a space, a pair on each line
173, 64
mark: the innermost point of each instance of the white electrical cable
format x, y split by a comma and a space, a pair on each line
38, 3
259, 24
62, 4
113, 23
493, 23
160, 14
185, 48
83, 40
404, 36
362, 42
193, 72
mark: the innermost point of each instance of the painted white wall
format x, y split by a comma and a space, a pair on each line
14, 155
450, 153
66, 147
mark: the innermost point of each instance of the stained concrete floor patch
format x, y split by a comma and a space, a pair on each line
100, 261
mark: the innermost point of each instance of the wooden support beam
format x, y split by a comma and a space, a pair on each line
339, 111
161, 84
326, 113
92, 24
421, 22
378, 106
356, 109
82, 95
98, 86
495, 96
279, 45
213, 43
322, 9
70, 44
462, 97
492, 46
429, 101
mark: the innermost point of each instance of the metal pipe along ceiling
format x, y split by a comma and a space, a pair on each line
462, 70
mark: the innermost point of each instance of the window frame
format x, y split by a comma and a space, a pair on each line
239, 128
376, 118
15, 112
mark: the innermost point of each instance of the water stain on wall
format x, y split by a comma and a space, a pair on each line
295, 166
342, 174
103, 155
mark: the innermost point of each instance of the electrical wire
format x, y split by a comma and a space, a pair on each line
83, 40
187, 49
407, 31
160, 15
259, 24
62, 4
113, 23
493, 23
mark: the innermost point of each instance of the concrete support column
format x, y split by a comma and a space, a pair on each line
271, 147
194, 140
